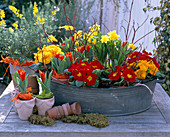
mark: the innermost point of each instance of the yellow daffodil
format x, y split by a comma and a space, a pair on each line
104, 39
2, 14
94, 41
132, 46
112, 35
52, 38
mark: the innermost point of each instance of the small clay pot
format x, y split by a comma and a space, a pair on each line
64, 110
76, 108
24, 108
43, 105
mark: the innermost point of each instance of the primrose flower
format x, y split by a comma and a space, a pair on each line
132, 46
2, 14
112, 35
104, 39
140, 74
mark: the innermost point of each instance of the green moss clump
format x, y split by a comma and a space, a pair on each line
93, 119
41, 120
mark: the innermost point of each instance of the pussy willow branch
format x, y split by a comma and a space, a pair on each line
130, 14
143, 36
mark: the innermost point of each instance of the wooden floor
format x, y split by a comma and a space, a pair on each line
154, 122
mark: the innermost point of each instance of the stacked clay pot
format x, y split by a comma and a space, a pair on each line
64, 110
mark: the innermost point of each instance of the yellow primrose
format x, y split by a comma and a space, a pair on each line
52, 38
152, 68
35, 9
11, 29
140, 74
2, 14
143, 65
89, 40
112, 35
2, 23
132, 46
104, 39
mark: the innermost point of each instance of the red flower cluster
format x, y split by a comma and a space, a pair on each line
82, 71
61, 57
142, 56
123, 71
82, 48
22, 74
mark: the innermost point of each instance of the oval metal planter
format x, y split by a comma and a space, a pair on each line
108, 101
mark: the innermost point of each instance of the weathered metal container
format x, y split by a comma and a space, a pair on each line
108, 101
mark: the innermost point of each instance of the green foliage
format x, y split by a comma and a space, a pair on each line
162, 39
22, 85
46, 92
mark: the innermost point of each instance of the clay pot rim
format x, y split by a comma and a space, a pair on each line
44, 98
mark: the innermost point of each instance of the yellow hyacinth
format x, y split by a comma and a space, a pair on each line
2, 14
104, 39
112, 35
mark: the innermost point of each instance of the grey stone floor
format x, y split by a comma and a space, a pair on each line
2, 87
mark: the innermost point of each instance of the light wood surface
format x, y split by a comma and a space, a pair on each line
153, 122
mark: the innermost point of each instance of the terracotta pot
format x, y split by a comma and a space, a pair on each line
25, 108
32, 80
64, 110
44, 104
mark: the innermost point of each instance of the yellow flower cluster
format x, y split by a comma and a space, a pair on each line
144, 66
52, 38
39, 20
66, 27
112, 36
2, 14
15, 25
35, 9
46, 53
2, 23
11, 29
16, 12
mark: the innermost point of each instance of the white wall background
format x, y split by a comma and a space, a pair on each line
113, 17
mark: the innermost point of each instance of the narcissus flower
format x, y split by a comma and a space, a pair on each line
104, 39
129, 75
132, 46
22, 74
112, 35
